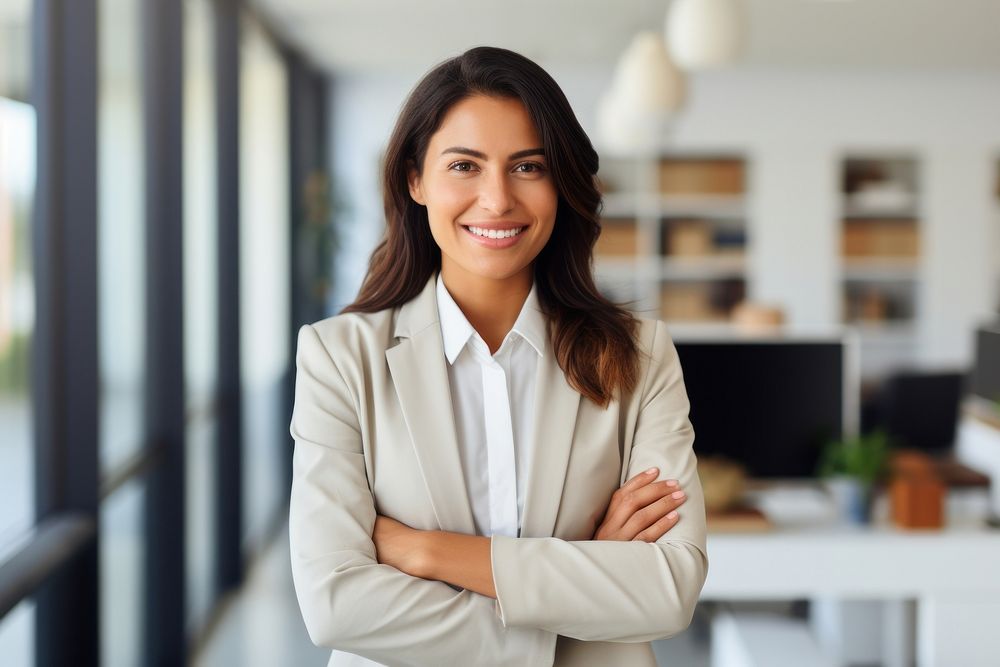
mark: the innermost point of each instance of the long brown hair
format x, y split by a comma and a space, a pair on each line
593, 337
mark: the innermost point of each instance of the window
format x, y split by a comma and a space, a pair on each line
265, 275
200, 305
121, 238
17, 294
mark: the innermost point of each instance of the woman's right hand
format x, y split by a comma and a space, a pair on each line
641, 509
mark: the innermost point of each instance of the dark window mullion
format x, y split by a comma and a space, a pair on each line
65, 379
228, 452
165, 639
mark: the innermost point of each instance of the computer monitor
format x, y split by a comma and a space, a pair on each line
770, 403
919, 409
985, 381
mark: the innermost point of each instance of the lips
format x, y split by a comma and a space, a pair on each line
499, 226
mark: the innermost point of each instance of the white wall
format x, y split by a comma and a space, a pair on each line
794, 125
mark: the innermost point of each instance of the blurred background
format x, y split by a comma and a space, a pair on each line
806, 191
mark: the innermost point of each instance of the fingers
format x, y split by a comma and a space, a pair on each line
615, 514
627, 503
652, 513
640, 480
657, 530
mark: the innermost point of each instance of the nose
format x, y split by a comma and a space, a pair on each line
495, 193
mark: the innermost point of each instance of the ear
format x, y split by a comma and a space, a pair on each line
415, 184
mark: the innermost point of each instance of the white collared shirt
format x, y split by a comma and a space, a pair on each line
493, 398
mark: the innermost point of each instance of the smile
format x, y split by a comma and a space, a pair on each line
495, 238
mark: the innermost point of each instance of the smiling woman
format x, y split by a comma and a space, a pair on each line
489, 140
455, 499
493, 211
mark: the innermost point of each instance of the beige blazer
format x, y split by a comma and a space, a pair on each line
374, 433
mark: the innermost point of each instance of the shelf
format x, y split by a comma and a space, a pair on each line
630, 204
854, 212
685, 216
880, 254
893, 269
619, 268
886, 332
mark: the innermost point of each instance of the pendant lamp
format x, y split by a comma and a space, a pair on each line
704, 33
647, 89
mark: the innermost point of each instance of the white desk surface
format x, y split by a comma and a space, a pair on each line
811, 553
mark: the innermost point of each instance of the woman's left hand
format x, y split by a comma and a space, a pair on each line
398, 545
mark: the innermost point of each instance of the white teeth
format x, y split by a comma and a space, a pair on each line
496, 234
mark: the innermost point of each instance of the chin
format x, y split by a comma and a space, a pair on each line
494, 270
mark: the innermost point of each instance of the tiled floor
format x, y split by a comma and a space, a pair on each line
261, 625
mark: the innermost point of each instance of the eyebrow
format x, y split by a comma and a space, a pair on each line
482, 156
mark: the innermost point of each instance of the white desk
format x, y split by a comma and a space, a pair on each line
953, 574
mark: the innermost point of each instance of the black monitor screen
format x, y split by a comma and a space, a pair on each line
767, 405
986, 372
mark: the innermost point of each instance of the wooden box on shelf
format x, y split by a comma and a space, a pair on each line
701, 176
688, 302
619, 238
688, 238
880, 238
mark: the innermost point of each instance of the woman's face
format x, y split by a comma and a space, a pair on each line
485, 175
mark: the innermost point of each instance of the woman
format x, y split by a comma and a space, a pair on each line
487, 451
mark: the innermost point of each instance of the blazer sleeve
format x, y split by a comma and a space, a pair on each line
613, 590
349, 601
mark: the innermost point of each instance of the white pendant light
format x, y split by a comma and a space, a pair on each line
646, 91
704, 33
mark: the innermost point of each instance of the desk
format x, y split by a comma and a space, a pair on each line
953, 574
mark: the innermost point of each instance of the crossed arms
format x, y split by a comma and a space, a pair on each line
590, 590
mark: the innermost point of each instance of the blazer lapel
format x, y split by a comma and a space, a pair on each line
556, 407
420, 376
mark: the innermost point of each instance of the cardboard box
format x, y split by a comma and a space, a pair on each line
702, 176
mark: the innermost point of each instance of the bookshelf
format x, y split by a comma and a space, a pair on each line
880, 222
674, 239
880, 244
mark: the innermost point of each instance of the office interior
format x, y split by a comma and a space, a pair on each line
810, 199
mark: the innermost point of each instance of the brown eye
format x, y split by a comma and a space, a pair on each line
453, 166
535, 168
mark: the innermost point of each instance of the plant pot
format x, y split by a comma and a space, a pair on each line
852, 498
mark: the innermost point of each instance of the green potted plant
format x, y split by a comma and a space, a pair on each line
851, 468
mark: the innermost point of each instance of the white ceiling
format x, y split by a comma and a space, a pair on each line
343, 35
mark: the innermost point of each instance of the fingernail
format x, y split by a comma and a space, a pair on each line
651, 471
671, 482
672, 515
677, 494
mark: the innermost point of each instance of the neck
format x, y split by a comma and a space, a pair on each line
490, 305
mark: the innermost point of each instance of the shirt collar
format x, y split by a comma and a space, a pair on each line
456, 330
